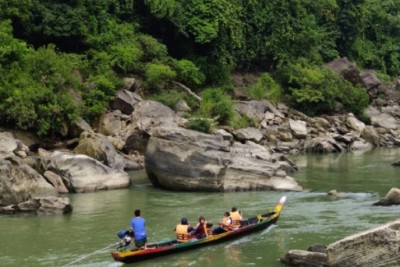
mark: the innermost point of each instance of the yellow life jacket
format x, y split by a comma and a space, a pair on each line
236, 218
182, 234
227, 223
208, 229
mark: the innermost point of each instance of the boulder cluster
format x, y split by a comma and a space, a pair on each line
137, 133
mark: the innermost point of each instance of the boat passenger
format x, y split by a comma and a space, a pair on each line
236, 218
203, 228
138, 224
183, 231
225, 225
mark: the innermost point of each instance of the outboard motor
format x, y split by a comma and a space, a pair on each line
126, 236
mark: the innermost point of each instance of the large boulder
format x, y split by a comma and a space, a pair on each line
346, 69
19, 182
378, 247
150, 114
97, 146
81, 173
181, 159
253, 109
391, 198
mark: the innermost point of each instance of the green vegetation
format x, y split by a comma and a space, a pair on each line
265, 88
317, 90
60, 60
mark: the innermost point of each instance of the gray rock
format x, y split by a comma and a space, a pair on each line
56, 181
79, 126
125, 101
150, 114
391, 198
81, 173
378, 247
322, 122
370, 134
182, 106
254, 109
298, 128
397, 163
369, 80
110, 123
54, 205
19, 182
360, 145
305, 258
181, 159
224, 134
249, 133
137, 141
323, 145
353, 123
385, 121
7, 143
346, 69
97, 146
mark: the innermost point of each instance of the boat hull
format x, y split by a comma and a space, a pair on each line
251, 225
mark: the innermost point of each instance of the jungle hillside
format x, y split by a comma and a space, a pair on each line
63, 60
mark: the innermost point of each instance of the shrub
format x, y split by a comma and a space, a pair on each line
188, 72
216, 104
265, 88
315, 90
124, 57
97, 95
200, 124
242, 121
168, 98
152, 49
158, 75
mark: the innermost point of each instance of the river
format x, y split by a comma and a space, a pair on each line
308, 217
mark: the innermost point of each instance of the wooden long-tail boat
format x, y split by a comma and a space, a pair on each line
250, 225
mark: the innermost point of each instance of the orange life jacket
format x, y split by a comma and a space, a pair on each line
208, 229
227, 223
236, 218
182, 234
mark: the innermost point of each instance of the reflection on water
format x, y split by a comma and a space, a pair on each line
307, 218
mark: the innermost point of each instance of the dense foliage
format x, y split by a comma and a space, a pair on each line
63, 59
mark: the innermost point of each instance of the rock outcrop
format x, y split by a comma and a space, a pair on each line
378, 247
180, 159
81, 173
296, 257
97, 146
40, 205
19, 182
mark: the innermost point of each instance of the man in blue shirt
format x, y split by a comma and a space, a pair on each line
138, 225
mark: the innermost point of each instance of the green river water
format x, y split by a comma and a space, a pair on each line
308, 217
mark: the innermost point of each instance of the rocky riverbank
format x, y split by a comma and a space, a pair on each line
135, 133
